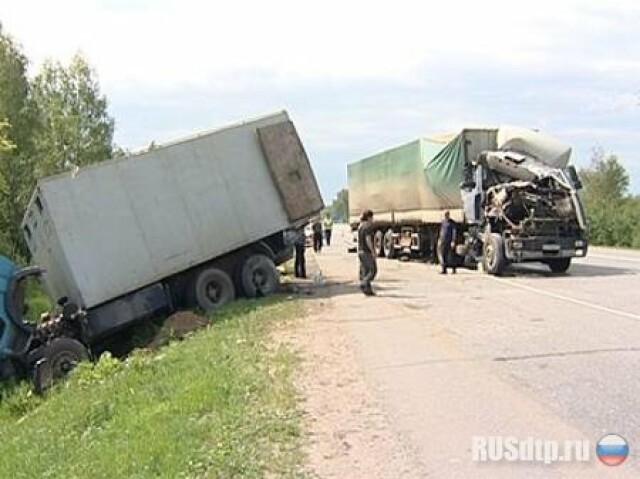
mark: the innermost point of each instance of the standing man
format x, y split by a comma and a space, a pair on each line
447, 243
300, 262
368, 266
327, 224
317, 235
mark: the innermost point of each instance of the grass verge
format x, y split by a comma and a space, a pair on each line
220, 404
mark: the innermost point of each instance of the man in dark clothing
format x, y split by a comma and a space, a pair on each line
317, 235
300, 262
447, 243
368, 266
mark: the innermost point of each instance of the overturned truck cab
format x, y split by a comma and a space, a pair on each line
522, 204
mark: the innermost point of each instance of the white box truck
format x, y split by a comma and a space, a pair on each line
195, 222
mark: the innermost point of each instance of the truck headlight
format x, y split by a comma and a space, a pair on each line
516, 244
579, 244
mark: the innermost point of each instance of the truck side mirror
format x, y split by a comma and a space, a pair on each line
575, 179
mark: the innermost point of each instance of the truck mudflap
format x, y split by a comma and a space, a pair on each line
540, 248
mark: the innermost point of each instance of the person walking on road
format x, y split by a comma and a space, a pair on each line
317, 235
300, 265
368, 266
327, 224
447, 244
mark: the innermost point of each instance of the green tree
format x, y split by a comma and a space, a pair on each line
18, 118
613, 214
6, 146
606, 180
339, 207
75, 127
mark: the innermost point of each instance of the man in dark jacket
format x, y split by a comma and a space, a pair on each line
368, 266
317, 235
300, 262
447, 244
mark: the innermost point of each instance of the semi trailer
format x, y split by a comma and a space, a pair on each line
511, 191
191, 223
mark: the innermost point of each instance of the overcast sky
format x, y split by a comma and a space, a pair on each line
356, 77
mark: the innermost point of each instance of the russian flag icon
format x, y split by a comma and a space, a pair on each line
612, 450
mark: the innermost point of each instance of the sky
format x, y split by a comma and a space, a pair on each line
356, 77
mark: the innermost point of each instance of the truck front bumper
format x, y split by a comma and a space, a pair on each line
539, 249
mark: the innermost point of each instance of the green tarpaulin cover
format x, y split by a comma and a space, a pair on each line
424, 174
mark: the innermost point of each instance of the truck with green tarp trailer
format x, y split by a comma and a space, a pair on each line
510, 190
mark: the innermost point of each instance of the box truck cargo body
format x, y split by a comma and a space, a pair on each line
195, 222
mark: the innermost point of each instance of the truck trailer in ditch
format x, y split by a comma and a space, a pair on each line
511, 191
193, 223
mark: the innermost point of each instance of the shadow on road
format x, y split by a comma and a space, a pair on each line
329, 289
575, 270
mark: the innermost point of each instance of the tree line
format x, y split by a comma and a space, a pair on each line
50, 122
613, 213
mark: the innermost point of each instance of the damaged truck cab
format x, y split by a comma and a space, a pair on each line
521, 204
43, 351
15, 334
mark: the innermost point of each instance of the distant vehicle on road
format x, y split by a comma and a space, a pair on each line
351, 240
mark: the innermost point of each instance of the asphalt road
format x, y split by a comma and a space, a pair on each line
529, 354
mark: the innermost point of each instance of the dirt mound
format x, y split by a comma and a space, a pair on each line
176, 326
183, 322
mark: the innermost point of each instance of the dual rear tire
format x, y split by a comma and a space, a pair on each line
213, 287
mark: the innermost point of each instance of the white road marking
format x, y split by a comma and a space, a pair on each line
567, 298
616, 258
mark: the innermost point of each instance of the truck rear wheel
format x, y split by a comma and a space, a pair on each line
494, 258
558, 265
259, 276
378, 243
213, 289
388, 244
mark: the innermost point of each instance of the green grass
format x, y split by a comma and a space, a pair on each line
219, 404
37, 300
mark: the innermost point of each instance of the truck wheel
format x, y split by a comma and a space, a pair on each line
213, 289
558, 265
378, 243
259, 276
494, 259
63, 354
388, 244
